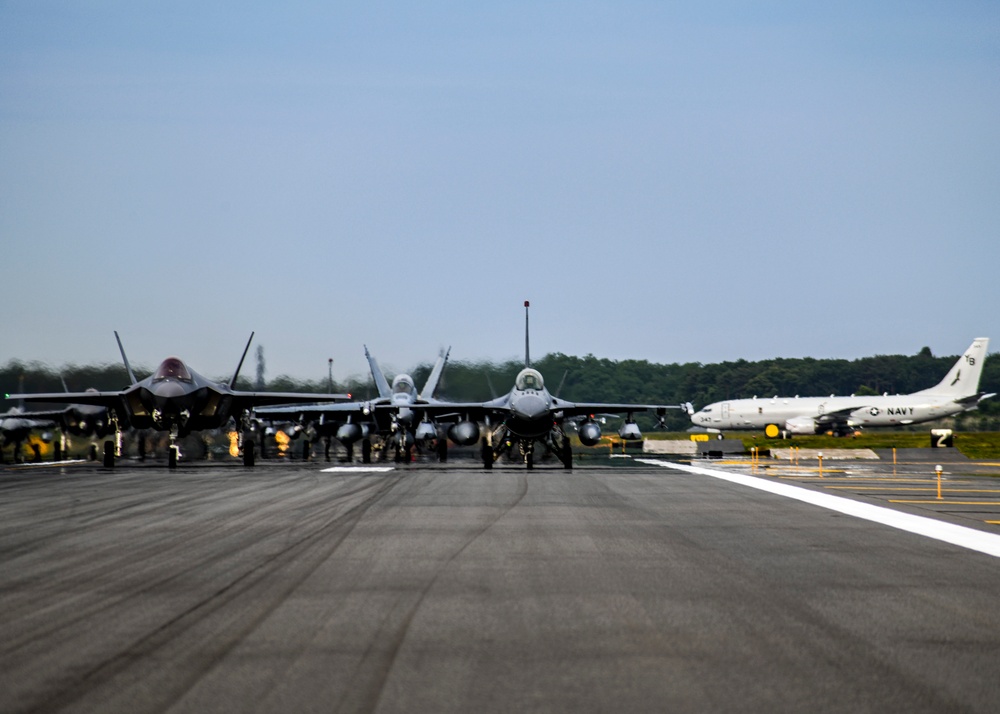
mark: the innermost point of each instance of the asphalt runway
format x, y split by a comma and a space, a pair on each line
444, 588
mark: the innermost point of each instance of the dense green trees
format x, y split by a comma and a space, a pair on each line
593, 378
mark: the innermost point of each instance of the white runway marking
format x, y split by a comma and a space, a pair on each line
948, 532
358, 469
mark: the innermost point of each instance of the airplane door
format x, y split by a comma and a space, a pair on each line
725, 411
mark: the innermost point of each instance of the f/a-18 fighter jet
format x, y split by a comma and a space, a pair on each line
178, 400
390, 416
529, 416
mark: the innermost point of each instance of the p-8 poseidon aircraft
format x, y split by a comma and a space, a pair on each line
956, 393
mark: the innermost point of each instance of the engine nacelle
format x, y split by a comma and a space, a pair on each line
802, 425
590, 433
464, 433
426, 431
630, 432
292, 431
349, 433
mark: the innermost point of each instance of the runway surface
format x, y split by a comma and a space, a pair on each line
445, 588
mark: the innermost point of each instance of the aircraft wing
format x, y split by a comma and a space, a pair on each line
251, 400
837, 417
99, 399
570, 409
313, 409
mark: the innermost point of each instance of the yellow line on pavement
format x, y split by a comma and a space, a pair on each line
949, 503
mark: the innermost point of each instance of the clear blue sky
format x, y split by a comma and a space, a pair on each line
676, 182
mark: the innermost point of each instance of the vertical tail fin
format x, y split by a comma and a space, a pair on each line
527, 352
232, 382
128, 367
435, 376
380, 383
962, 379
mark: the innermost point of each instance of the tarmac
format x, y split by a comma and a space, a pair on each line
622, 585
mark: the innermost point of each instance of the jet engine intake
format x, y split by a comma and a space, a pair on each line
464, 433
802, 425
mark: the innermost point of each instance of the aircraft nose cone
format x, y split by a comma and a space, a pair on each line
529, 407
167, 390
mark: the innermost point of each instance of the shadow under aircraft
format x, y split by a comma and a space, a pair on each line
178, 400
529, 416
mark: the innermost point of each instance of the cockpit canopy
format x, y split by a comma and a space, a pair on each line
172, 368
402, 384
529, 379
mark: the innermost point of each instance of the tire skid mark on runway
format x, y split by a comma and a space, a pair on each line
331, 519
111, 570
375, 666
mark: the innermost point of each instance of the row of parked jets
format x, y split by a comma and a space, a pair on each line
177, 400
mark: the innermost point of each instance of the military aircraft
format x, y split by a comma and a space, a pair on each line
390, 415
529, 415
178, 400
16, 425
957, 392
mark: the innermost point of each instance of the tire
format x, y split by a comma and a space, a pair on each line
366, 451
248, 453
172, 457
109, 454
487, 454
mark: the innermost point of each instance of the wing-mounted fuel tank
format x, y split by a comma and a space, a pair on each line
464, 433
426, 430
590, 433
349, 433
630, 431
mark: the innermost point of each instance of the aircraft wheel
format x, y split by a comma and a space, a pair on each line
567, 454
350, 452
487, 453
172, 457
442, 450
529, 460
248, 455
366, 451
109, 454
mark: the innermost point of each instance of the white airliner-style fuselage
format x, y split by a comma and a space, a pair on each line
956, 393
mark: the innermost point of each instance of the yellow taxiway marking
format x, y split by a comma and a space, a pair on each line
949, 503
993, 523
914, 488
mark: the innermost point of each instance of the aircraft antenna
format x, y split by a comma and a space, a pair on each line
128, 367
232, 382
527, 352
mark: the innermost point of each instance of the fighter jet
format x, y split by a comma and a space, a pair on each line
389, 416
178, 400
529, 416
956, 393
16, 425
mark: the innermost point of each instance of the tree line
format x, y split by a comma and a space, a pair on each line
598, 379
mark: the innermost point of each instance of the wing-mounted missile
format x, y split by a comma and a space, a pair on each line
464, 433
